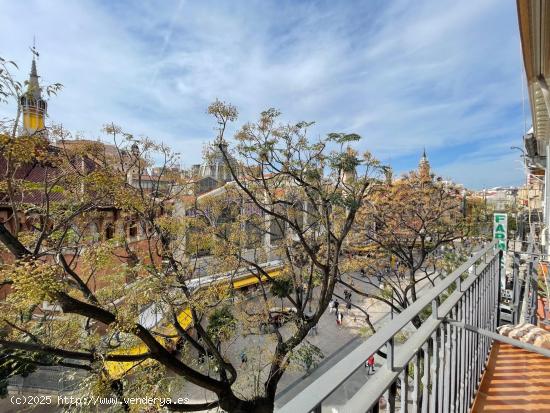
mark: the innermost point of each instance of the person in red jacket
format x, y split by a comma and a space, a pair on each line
370, 364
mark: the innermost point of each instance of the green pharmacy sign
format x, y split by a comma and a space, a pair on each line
500, 229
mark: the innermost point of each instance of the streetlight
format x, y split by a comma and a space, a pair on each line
526, 179
519, 149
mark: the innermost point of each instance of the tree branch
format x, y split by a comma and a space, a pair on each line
198, 407
12, 243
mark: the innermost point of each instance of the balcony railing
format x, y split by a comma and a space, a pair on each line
524, 295
438, 368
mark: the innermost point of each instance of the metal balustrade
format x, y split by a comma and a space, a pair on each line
438, 368
525, 286
529, 314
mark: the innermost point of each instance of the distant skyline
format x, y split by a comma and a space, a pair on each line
444, 75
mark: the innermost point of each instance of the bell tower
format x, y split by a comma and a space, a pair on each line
33, 107
424, 166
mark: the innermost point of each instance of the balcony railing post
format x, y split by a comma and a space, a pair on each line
499, 285
454, 365
434, 371
435, 306
460, 356
534, 289
416, 383
426, 378
392, 392
470, 348
486, 296
515, 289
470, 358
478, 340
496, 289
441, 374
405, 390
390, 354
448, 368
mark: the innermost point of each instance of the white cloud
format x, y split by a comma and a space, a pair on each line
403, 74
486, 173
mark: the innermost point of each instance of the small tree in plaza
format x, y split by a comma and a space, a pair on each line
221, 324
406, 224
281, 288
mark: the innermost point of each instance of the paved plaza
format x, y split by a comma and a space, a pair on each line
334, 341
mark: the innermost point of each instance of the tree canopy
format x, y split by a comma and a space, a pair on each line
111, 232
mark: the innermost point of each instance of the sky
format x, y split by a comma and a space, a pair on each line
405, 75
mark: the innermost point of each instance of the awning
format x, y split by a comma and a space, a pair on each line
534, 26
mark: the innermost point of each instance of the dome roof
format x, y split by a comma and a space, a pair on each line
214, 165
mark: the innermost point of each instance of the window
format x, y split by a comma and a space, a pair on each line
109, 231
253, 231
93, 232
133, 230
277, 227
277, 230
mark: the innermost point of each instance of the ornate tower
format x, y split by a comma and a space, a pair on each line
33, 106
424, 166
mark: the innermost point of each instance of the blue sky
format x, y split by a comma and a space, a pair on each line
445, 75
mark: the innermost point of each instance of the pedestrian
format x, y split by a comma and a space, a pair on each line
336, 305
244, 358
339, 319
331, 306
348, 306
472, 268
370, 364
346, 292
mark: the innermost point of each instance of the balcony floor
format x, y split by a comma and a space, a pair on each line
515, 381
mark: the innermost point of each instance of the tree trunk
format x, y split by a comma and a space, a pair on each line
232, 404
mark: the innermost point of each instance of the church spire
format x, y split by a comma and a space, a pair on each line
424, 166
33, 88
33, 106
